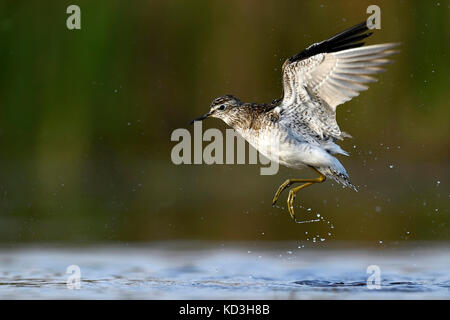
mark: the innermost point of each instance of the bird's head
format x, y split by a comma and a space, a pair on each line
223, 108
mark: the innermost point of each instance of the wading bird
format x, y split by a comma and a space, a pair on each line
300, 129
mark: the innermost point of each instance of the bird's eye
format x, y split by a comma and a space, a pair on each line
222, 107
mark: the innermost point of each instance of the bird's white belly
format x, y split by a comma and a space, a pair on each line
286, 150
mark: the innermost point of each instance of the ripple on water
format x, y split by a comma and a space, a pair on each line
228, 273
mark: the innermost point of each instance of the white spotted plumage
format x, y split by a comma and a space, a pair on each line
301, 129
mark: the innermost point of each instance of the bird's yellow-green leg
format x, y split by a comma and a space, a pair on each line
289, 182
293, 192
291, 197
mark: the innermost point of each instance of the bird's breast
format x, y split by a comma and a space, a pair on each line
273, 142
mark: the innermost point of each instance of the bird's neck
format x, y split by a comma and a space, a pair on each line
248, 116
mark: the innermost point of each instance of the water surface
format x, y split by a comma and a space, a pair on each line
224, 271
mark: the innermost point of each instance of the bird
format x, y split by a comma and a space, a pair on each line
300, 129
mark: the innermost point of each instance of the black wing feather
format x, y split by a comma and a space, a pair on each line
347, 39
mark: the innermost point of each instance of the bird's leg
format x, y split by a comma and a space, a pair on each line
293, 192
291, 197
289, 182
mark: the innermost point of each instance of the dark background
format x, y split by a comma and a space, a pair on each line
86, 118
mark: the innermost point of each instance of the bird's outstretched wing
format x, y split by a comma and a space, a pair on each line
327, 74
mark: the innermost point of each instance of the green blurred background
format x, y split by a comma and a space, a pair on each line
86, 118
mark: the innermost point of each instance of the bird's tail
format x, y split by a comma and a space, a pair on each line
342, 179
338, 173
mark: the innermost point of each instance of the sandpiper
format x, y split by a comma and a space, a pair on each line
300, 129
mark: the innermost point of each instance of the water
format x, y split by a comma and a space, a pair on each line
224, 271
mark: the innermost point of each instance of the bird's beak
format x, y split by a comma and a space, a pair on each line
203, 117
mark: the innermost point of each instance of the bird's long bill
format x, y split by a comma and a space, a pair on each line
203, 117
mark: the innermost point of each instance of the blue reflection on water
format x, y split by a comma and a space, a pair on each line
224, 271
